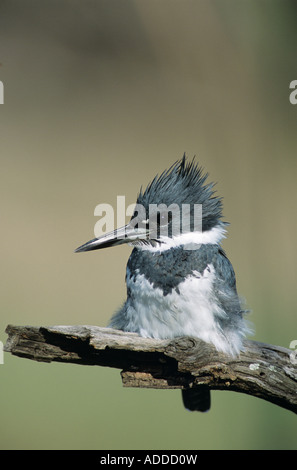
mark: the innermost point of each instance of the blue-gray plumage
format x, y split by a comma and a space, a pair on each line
179, 282
163, 270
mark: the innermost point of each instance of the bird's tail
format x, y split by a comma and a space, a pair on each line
196, 399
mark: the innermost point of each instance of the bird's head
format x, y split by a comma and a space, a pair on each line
178, 207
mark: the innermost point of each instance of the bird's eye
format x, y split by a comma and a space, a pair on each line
164, 218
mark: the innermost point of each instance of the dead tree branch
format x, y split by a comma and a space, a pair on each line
261, 370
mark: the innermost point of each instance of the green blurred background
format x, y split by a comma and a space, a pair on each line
100, 95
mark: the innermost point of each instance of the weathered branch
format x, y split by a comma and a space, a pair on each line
261, 370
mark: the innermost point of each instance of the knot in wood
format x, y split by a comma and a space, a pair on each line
182, 344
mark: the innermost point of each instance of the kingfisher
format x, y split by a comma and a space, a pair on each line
179, 279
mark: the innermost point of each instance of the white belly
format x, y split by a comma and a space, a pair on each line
192, 311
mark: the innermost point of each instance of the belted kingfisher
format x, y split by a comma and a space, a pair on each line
179, 280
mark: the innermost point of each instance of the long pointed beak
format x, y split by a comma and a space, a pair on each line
126, 234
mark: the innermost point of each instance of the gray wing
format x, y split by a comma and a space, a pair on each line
226, 292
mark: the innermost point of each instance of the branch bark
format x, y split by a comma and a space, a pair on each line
261, 370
